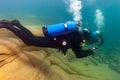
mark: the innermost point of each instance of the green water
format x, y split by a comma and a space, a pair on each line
36, 10
44, 12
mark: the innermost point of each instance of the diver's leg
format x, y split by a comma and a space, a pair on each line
3, 23
20, 33
42, 42
27, 37
17, 24
33, 40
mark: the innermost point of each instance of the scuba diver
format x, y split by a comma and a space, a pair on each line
62, 36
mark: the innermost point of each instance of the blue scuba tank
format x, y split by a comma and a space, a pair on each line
95, 33
59, 28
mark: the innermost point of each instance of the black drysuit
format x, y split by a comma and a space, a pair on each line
73, 39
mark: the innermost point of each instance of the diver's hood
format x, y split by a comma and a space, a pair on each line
96, 37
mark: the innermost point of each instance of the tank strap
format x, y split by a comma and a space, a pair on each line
65, 26
45, 32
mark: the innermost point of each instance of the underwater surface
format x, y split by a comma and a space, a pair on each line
49, 12
94, 14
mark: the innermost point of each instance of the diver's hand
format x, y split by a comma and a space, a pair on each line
90, 52
94, 48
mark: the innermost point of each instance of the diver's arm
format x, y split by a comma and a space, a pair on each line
79, 53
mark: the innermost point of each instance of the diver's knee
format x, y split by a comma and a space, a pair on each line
15, 21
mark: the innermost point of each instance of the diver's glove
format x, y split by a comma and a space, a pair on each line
91, 51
